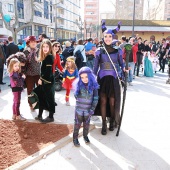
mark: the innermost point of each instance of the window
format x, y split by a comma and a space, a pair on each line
37, 13
51, 32
21, 13
39, 30
38, 1
10, 8
46, 14
26, 31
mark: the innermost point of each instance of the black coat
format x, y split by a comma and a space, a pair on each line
46, 91
67, 53
11, 49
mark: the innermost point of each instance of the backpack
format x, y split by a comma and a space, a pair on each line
79, 55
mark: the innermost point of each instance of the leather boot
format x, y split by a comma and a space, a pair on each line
104, 128
111, 126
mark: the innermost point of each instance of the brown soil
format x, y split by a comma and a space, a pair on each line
21, 139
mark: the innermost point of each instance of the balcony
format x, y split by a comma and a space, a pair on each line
60, 16
60, 5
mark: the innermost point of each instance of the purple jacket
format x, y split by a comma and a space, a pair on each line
16, 81
103, 66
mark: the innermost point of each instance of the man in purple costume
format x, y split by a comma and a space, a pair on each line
110, 86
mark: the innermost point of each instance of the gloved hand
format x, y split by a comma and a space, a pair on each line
91, 112
119, 23
103, 22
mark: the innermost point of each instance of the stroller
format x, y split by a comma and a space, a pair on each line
58, 80
168, 81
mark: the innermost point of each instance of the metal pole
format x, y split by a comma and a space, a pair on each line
133, 18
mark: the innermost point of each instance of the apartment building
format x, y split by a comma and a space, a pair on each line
67, 19
91, 18
56, 18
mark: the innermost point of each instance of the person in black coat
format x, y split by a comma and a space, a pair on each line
2, 61
67, 52
11, 48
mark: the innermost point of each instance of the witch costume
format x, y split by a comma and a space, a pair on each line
45, 92
108, 67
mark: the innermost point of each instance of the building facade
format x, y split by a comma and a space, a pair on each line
91, 18
67, 18
56, 18
124, 9
151, 30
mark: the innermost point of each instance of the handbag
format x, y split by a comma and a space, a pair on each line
33, 99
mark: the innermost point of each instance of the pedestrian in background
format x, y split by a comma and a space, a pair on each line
17, 83
86, 94
32, 67
11, 48
67, 52
2, 62
81, 49
141, 49
69, 76
90, 51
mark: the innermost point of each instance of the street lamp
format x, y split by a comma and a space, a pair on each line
133, 18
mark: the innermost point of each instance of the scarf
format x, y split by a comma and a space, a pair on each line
32, 55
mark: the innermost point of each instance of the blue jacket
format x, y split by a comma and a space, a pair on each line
89, 46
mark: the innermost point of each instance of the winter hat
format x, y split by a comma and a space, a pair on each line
30, 38
71, 58
85, 70
110, 31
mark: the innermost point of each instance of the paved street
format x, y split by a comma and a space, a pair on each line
144, 140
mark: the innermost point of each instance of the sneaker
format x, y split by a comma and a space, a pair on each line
14, 117
76, 143
86, 139
130, 84
68, 103
20, 118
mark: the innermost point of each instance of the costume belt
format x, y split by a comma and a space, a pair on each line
106, 66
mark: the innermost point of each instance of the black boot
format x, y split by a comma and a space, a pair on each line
111, 126
86, 139
76, 142
104, 128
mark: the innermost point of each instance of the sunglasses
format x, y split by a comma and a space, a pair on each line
57, 46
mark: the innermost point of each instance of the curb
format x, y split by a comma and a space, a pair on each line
45, 151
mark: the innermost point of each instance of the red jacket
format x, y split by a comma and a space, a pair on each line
134, 51
57, 63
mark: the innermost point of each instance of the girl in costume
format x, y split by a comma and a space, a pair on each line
46, 82
69, 76
17, 83
86, 94
109, 79
148, 70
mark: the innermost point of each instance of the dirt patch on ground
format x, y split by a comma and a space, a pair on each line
21, 139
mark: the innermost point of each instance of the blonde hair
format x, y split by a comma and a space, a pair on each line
11, 64
73, 65
42, 56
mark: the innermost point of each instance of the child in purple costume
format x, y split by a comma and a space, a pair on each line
86, 94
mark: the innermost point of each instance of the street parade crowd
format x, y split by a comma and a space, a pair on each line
95, 70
